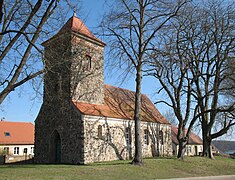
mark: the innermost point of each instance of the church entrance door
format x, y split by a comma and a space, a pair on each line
55, 147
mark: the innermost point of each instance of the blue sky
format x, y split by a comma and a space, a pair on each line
22, 105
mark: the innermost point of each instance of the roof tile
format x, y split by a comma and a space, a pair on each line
119, 103
19, 132
74, 24
193, 138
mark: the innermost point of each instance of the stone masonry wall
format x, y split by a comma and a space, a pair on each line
113, 143
87, 83
58, 127
69, 125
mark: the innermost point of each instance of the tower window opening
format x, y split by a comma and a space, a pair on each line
88, 62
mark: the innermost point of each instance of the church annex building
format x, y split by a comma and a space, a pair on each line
82, 120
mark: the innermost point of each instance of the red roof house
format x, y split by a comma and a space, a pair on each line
194, 146
16, 140
193, 138
12, 133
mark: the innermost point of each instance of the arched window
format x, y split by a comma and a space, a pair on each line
100, 131
128, 136
161, 137
146, 137
87, 62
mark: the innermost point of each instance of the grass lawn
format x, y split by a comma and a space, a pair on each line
152, 169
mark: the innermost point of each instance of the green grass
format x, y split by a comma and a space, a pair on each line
153, 169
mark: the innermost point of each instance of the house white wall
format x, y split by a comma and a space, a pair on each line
17, 150
191, 149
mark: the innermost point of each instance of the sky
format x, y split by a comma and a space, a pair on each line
21, 104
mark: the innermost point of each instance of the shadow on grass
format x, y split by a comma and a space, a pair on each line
127, 162
111, 163
30, 163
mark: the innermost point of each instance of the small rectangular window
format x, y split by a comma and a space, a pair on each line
16, 150
6, 150
7, 134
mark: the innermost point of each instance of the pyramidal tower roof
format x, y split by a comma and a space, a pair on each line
74, 24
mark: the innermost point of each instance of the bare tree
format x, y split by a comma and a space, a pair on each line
170, 116
170, 67
203, 39
24, 26
212, 46
229, 82
131, 29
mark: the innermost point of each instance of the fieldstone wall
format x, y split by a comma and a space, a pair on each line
68, 125
113, 143
59, 136
87, 80
59, 125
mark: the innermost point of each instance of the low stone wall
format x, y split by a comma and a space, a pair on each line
2, 160
13, 159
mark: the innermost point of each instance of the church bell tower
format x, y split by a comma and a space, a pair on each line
76, 52
74, 65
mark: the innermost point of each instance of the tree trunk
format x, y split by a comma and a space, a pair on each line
182, 149
1, 13
138, 159
205, 145
207, 148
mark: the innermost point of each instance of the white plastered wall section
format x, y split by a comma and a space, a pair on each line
112, 145
18, 150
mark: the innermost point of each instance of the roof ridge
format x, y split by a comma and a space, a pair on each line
125, 89
119, 103
16, 122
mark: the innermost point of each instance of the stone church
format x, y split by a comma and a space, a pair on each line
82, 120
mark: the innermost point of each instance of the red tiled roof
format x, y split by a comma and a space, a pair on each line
119, 103
19, 132
74, 24
193, 138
